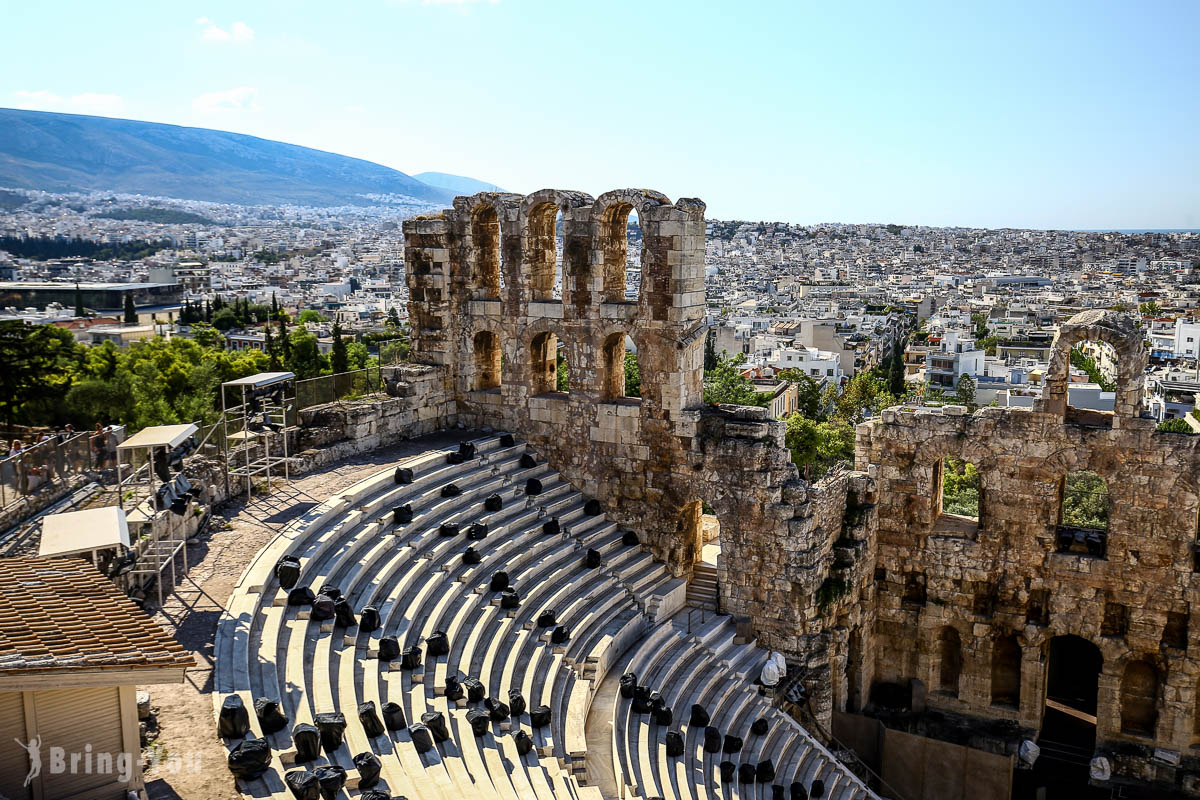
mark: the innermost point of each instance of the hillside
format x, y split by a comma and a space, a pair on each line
71, 152
456, 183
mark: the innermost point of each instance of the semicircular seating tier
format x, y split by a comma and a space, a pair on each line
573, 618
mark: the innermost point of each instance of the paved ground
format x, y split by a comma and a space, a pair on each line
186, 760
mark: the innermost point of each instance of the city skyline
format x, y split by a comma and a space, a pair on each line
1073, 117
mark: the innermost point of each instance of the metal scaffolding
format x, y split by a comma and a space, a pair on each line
261, 405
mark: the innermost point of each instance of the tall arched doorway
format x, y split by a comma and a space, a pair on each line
1068, 735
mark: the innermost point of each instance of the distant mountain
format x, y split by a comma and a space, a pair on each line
456, 183
71, 152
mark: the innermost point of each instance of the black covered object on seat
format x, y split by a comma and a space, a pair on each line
817, 790
778, 792
494, 502
435, 721
369, 718
438, 644
528, 461
368, 621
343, 613
451, 490
510, 599
533, 486
308, 742
641, 700
797, 791
303, 784
411, 657
728, 770
499, 581
332, 778
287, 572
322, 608
765, 771
393, 717
629, 538
699, 716
516, 702
628, 685
674, 744
475, 690
560, 634
524, 743
389, 649
507, 440
448, 529
301, 596
662, 715
760, 727
404, 475
251, 758
454, 689
733, 744
332, 725
454, 458
466, 450
471, 556
402, 515
497, 710
551, 527
330, 591
234, 721
546, 619
369, 767
712, 740
479, 721
378, 794
270, 718
592, 507
422, 739
746, 773
477, 532
539, 717
591, 559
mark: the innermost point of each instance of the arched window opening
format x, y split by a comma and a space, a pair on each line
562, 370
621, 376
958, 493
488, 277
543, 363
1006, 672
1083, 514
949, 661
700, 529
1139, 699
560, 275
1092, 383
544, 241
622, 253
487, 361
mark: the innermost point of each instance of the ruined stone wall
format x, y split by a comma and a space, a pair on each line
484, 311
1005, 577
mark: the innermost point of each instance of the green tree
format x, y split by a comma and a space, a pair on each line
285, 344
208, 336
810, 396
964, 392
1085, 500
1175, 425
393, 318
79, 309
305, 360
562, 376
987, 344
309, 315
710, 351
960, 487
896, 372
131, 316
338, 359
633, 376
724, 384
817, 446
271, 349
40, 362
225, 320
1150, 309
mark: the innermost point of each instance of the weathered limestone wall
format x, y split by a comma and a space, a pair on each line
1004, 576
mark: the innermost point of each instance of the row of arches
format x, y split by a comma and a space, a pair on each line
615, 231
1073, 670
549, 368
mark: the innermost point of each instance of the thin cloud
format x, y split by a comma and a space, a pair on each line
98, 103
237, 33
241, 98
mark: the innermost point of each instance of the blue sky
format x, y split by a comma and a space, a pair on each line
1046, 114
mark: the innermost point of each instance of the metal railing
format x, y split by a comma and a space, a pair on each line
34, 469
339, 386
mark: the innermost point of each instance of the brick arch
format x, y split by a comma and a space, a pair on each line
536, 220
609, 218
1116, 329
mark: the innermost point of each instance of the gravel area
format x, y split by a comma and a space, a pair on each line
184, 758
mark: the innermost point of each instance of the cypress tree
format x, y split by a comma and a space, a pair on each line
710, 352
285, 345
339, 360
79, 310
272, 350
896, 372
131, 317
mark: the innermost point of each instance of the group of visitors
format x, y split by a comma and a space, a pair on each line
29, 464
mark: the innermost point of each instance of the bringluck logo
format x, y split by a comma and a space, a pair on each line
120, 765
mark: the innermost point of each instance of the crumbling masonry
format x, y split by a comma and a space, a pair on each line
856, 579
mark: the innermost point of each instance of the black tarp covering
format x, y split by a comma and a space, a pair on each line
270, 717
778, 792
507, 440
301, 596
817, 790
764, 772
728, 770
533, 486
308, 742
330, 591
332, 778
322, 608
287, 571
628, 685
303, 785
369, 767
699, 716
435, 721
641, 700
389, 648
516, 702
369, 717
471, 557
343, 614
746, 773
234, 720
438, 644
510, 599
497, 709
422, 739
479, 721
332, 726
393, 717
377, 794
498, 581
592, 507
251, 758
712, 740
523, 742
454, 458
528, 461
797, 791
662, 716
539, 717
454, 689
451, 490
404, 475
591, 559
369, 621
411, 657
477, 532
733, 744
547, 618
759, 727
494, 502
674, 744
560, 634
629, 538
475, 690
551, 527
466, 450
402, 515
448, 529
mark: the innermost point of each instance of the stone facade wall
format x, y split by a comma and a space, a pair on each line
1004, 576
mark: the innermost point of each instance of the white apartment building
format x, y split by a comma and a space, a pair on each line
1187, 338
817, 364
